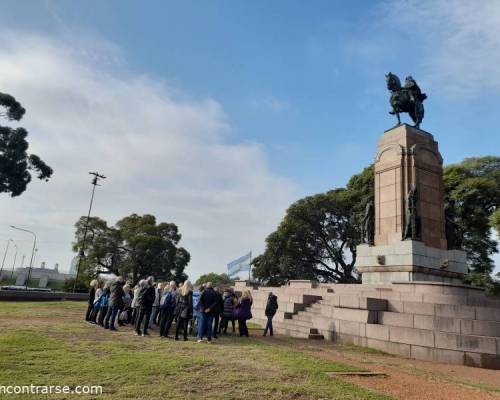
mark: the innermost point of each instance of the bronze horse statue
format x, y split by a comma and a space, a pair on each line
407, 98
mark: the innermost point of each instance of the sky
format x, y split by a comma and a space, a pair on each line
217, 115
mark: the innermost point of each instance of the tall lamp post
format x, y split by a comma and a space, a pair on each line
32, 252
14, 263
20, 266
81, 253
4, 255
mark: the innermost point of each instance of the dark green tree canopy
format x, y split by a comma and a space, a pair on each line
135, 247
317, 239
473, 186
15, 163
216, 279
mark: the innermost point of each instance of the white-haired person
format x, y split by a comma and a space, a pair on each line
167, 308
184, 309
156, 305
146, 300
96, 305
93, 287
135, 300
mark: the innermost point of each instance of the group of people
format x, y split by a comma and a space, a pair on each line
160, 305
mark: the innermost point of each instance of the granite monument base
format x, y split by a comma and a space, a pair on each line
410, 261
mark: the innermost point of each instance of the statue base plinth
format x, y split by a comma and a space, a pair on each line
409, 261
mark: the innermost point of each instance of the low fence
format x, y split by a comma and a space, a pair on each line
22, 295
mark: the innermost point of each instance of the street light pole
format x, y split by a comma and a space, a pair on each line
14, 263
32, 252
81, 253
4, 255
22, 263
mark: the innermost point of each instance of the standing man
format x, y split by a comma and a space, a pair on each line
146, 300
217, 313
115, 303
208, 307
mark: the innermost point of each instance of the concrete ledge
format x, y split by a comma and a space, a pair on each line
21, 295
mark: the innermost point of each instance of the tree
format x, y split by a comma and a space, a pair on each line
135, 247
15, 163
216, 279
473, 186
317, 239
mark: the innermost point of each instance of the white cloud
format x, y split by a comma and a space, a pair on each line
455, 42
164, 153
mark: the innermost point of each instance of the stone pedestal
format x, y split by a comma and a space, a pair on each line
409, 157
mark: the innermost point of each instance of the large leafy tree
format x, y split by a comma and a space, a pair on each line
317, 239
16, 164
136, 247
473, 187
216, 279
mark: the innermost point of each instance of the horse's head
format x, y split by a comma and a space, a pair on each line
393, 82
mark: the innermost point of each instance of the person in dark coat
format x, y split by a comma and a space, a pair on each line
244, 312
115, 303
184, 309
217, 312
208, 306
271, 308
227, 314
147, 296
93, 287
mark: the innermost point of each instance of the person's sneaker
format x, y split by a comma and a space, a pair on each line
145, 334
106, 327
113, 329
137, 334
209, 342
199, 341
185, 339
176, 338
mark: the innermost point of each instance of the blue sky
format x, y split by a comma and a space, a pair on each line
294, 90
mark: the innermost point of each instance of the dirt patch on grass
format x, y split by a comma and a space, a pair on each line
406, 379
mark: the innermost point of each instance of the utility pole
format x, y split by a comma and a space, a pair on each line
32, 251
14, 263
4, 255
81, 254
20, 266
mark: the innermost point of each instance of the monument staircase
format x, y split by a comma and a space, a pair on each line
430, 321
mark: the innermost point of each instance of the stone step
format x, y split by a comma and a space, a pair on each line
316, 336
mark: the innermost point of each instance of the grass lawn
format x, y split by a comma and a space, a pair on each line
49, 344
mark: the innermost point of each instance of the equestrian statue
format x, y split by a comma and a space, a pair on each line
407, 98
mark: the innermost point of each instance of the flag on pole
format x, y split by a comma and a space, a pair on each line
241, 264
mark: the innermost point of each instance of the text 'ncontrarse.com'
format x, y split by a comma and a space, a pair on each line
50, 389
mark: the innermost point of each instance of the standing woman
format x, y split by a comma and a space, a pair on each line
135, 300
96, 305
93, 287
244, 312
184, 309
271, 308
103, 304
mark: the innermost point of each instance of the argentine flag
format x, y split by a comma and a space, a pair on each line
241, 264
